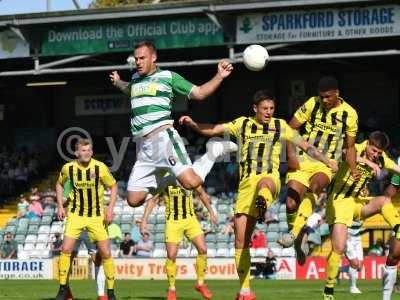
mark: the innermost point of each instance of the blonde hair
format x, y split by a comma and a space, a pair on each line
82, 142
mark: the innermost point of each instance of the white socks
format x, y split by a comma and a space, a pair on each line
353, 274
215, 149
100, 280
388, 281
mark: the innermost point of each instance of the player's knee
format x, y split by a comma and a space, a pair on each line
293, 200
67, 249
135, 202
172, 256
202, 250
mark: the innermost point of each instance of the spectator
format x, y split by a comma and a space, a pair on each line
56, 246
9, 248
114, 232
258, 240
145, 246
127, 246
35, 208
269, 271
23, 206
377, 249
135, 231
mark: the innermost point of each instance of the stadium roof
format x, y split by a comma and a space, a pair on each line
167, 8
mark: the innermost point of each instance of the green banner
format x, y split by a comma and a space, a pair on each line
116, 37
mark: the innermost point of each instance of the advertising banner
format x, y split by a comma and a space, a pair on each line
26, 269
218, 268
319, 24
101, 105
315, 268
102, 38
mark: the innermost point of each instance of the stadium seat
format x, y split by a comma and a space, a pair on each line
272, 236
35, 221
31, 238
40, 246
288, 252
22, 229
161, 218
127, 210
283, 227
45, 253
261, 252
183, 253
193, 252
160, 253
222, 245
35, 253
159, 246
211, 245
46, 220
159, 237
56, 228
282, 209
159, 227
117, 219
274, 245
139, 210
126, 228
151, 227
22, 254
252, 252
211, 252
222, 252
42, 238
152, 219
48, 211
273, 227
231, 252
126, 219
33, 229
19, 238
117, 210
221, 218
29, 246
277, 251
12, 222
11, 228
210, 237
222, 237
282, 216
44, 229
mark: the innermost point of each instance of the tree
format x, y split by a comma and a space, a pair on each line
117, 3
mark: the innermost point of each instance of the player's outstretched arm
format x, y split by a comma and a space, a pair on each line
205, 199
351, 156
123, 86
204, 129
147, 212
203, 91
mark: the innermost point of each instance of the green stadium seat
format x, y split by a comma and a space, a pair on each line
11, 228
35, 221
33, 229
126, 228
20, 238
46, 220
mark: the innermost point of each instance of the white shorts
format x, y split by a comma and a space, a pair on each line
354, 248
163, 152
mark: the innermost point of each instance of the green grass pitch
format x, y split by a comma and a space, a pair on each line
156, 290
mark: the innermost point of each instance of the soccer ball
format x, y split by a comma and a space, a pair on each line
255, 57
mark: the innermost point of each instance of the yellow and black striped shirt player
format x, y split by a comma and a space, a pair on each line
88, 178
180, 221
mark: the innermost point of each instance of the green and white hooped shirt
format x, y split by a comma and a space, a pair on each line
151, 99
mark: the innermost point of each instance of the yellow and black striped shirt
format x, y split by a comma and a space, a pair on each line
178, 203
87, 186
343, 185
260, 144
326, 129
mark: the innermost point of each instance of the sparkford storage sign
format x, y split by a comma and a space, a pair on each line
177, 33
324, 24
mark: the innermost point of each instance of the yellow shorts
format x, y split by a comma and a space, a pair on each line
245, 202
308, 168
176, 229
95, 227
345, 210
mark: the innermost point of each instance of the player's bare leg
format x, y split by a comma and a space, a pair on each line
201, 266
170, 264
339, 240
108, 265
265, 190
244, 227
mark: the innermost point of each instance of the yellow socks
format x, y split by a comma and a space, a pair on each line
170, 265
305, 210
64, 264
242, 260
201, 268
266, 194
332, 269
390, 215
109, 272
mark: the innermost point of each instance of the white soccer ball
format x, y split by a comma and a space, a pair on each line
255, 57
